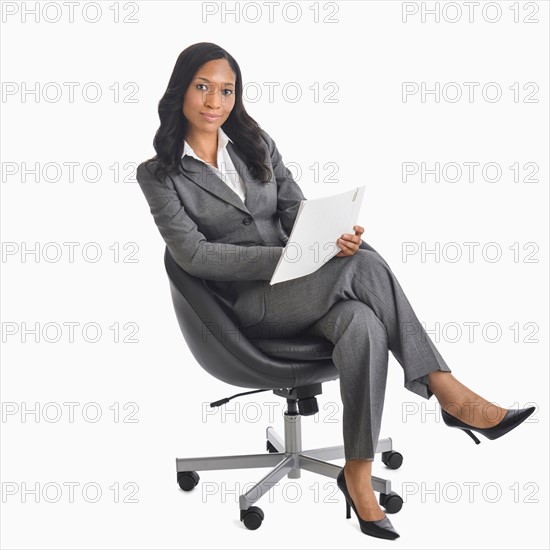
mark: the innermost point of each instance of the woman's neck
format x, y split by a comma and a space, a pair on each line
205, 145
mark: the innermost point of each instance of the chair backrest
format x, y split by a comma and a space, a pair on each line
214, 338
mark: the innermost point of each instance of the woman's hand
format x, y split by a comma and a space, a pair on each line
350, 243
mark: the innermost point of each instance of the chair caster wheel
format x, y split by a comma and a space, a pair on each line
392, 502
270, 447
188, 480
252, 517
392, 459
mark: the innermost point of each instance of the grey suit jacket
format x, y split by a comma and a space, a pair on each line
233, 246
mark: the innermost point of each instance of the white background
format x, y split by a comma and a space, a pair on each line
369, 51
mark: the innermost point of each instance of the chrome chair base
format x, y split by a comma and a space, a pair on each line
288, 459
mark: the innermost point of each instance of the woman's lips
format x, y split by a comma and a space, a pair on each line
210, 118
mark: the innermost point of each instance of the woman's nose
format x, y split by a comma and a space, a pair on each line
212, 98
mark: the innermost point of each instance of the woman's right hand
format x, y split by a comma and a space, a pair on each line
348, 243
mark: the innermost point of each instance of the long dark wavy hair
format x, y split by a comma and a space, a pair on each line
239, 126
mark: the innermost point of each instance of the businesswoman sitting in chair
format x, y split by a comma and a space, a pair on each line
225, 203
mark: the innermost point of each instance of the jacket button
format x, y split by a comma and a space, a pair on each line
247, 220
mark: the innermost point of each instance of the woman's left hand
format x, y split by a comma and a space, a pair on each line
350, 243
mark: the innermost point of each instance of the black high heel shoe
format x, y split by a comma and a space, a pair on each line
381, 528
512, 418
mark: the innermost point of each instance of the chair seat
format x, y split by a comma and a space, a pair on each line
229, 355
308, 348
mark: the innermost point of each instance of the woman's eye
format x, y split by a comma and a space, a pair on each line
206, 86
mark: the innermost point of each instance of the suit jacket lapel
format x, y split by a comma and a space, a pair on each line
206, 178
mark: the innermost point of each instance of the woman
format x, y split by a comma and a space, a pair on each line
227, 222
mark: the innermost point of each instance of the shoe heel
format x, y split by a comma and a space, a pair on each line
348, 510
471, 435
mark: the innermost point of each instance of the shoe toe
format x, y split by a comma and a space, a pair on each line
518, 415
386, 525
526, 413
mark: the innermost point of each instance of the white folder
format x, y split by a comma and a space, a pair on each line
319, 224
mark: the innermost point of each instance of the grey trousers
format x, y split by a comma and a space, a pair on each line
357, 303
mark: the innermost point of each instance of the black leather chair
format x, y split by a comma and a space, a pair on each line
292, 368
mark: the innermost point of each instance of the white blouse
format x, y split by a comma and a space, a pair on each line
226, 169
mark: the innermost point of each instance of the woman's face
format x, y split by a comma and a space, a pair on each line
212, 91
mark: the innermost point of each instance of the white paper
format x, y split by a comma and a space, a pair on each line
319, 224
